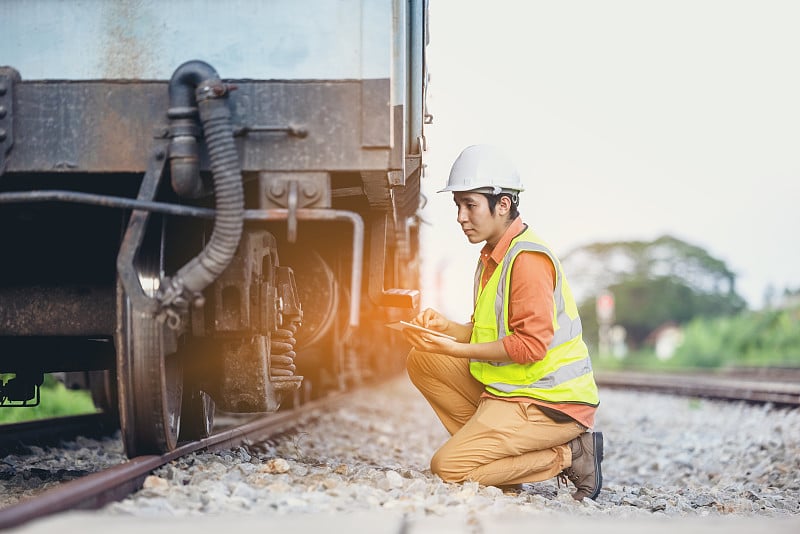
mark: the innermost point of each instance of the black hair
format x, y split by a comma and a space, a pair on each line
494, 199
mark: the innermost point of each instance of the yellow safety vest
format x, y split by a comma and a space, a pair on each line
565, 374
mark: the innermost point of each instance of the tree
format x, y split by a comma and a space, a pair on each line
655, 282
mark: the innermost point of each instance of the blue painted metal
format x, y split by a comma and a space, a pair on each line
146, 39
416, 74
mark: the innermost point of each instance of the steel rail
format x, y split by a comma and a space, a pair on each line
98, 489
753, 389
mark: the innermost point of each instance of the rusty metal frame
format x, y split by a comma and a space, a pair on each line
134, 234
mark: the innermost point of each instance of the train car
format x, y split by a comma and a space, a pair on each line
207, 203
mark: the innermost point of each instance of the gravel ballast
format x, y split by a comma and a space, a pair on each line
664, 457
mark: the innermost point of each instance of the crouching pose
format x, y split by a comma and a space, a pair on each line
515, 389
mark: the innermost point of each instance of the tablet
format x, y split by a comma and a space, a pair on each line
402, 325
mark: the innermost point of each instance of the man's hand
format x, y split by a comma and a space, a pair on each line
461, 348
431, 342
432, 319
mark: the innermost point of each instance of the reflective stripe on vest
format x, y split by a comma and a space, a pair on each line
565, 374
566, 329
559, 376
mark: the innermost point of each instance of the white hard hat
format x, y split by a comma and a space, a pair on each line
485, 168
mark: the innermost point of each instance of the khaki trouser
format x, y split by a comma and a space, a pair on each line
494, 442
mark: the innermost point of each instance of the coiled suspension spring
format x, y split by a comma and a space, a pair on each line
282, 354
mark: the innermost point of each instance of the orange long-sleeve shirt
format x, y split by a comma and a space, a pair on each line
533, 280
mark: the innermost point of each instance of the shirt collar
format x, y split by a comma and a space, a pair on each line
496, 254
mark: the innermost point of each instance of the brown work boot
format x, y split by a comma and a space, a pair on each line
585, 472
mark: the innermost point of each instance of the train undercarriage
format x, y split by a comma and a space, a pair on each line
198, 266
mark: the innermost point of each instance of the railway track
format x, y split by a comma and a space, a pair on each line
780, 387
100, 488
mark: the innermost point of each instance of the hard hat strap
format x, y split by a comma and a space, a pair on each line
496, 190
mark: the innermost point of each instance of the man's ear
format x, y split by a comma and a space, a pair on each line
504, 205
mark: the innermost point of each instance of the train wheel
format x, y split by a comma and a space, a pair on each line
151, 382
149, 370
103, 387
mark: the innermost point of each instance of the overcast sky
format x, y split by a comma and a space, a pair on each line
628, 120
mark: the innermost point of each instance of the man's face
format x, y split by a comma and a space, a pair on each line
477, 222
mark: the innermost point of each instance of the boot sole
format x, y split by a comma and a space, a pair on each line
597, 441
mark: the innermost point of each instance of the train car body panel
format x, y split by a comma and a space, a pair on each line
245, 39
110, 126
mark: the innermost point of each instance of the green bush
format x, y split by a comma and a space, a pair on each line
56, 400
770, 337
753, 338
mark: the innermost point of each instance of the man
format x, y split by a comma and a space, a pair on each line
515, 389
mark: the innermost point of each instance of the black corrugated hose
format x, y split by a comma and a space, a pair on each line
211, 96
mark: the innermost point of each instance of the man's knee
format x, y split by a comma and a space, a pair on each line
448, 470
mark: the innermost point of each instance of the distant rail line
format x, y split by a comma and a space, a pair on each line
778, 386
